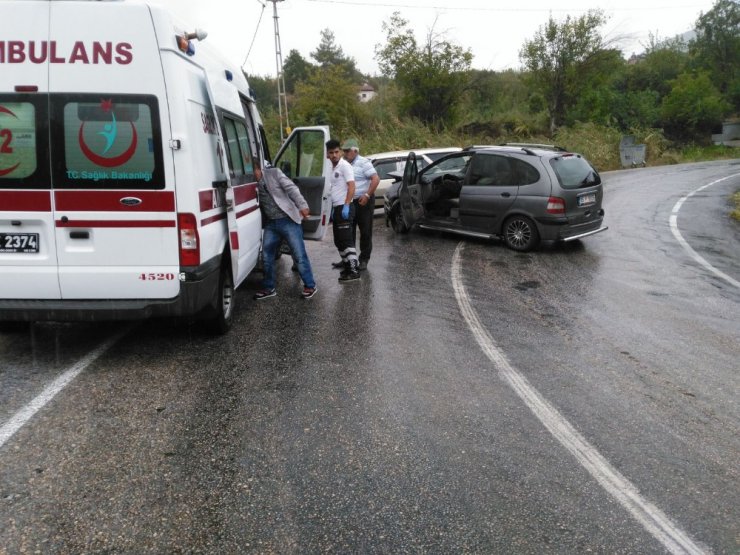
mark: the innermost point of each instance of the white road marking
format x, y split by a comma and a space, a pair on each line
17, 421
652, 519
673, 220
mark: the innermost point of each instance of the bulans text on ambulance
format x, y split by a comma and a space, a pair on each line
41, 52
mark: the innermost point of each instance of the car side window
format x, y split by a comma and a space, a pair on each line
524, 173
491, 169
453, 165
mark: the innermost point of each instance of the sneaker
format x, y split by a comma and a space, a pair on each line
264, 294
349, 276
309, 292
363, 265
337, 265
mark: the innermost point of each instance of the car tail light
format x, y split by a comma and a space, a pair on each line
555, 205
187, 227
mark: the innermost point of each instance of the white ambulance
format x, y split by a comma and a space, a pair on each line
127, 150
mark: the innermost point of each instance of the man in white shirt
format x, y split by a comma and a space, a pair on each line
366, 181
342, 181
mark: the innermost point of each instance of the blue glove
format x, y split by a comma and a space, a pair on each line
345, 211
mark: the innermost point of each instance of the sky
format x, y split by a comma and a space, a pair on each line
493, 30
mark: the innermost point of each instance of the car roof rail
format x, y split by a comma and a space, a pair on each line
537, 145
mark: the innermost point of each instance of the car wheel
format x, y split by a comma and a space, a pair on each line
520, 234
221, 322
397, 223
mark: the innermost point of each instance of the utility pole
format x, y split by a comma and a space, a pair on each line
282, 96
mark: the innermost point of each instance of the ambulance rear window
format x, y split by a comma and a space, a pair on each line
106, 142
23, 142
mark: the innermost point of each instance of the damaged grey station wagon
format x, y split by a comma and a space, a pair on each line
524, 194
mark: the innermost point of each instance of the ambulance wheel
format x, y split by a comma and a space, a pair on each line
221, 322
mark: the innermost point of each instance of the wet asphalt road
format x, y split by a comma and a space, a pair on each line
369, 420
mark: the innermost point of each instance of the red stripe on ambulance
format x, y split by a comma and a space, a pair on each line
209, 199
212, 219
246, 211
115, 201
25, 201
116, 223
245, 193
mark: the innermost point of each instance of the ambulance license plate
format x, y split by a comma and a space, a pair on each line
19, 242
587, 200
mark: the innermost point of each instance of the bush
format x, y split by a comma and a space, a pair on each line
735, 214
598, 143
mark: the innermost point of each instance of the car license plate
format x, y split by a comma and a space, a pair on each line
587, 200
19, 242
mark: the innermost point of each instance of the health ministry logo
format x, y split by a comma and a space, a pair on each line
110, 134
6, 137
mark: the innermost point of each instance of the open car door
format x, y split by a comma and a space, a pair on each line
412, 205
302, 157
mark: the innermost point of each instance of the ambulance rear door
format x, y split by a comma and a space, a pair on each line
114, 199
237, 131
303, 159
28, 259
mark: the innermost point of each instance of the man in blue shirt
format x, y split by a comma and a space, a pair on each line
366, 181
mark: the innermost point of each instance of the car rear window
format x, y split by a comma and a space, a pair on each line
23, 142
106, 142
574, 171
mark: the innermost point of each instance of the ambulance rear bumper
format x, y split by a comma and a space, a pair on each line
197, 294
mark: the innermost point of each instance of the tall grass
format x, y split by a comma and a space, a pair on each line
384, 130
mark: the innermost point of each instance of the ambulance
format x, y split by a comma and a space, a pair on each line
127, 154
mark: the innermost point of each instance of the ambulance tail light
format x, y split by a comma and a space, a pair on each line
187, 227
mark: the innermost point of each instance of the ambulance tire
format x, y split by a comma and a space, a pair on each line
221, 322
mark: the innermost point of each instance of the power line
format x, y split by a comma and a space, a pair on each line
499, 9
255, 33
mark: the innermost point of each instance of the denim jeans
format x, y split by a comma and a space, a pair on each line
275, 231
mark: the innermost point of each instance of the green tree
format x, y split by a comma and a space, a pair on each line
328, 98
431, 78
662, 62
559, 57
265, 91
693, 107
599, 97
328, 54
295, 69
717, 47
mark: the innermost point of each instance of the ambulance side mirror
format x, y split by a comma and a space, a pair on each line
286, 168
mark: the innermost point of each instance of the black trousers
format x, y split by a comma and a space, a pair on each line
364, 222
343, 239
